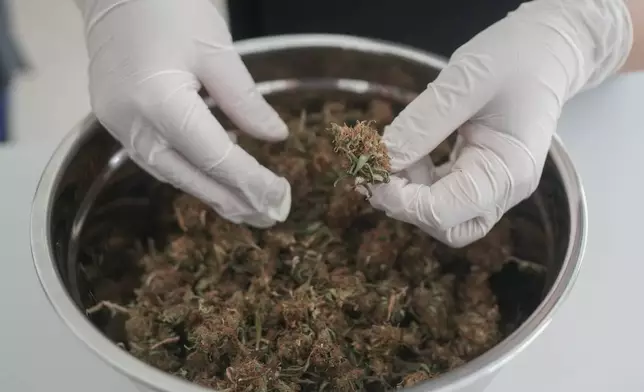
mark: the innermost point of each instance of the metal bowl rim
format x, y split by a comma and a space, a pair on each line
123, 362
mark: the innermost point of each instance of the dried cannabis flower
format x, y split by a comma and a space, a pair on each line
365, 156
338, 298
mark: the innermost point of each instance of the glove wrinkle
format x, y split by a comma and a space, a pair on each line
211, 168
212, 48
183, 75
99, 15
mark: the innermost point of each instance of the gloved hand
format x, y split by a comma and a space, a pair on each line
148, 60
505, 90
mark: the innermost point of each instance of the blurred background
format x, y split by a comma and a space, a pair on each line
49, 96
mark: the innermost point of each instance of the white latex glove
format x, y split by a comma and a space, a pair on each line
148, 60
505, 90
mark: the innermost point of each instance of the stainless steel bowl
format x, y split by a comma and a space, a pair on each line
287, 66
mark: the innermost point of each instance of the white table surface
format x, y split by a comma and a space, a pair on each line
594, 344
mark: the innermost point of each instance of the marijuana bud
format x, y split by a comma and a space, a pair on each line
365, 155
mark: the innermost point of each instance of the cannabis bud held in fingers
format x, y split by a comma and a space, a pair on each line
365, 157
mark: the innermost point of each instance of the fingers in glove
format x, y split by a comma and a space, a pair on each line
422, 172
231, 86
186, 123
457, 209
467, 232
168, 166
458, 92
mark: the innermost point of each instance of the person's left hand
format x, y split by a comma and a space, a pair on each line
148, 61
505, 90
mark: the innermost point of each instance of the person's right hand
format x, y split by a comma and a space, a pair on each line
148, 60
504, 91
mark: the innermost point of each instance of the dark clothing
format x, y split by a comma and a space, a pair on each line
10, 62
10, 59
436, 26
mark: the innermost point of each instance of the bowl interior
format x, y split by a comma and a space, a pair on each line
297, 77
